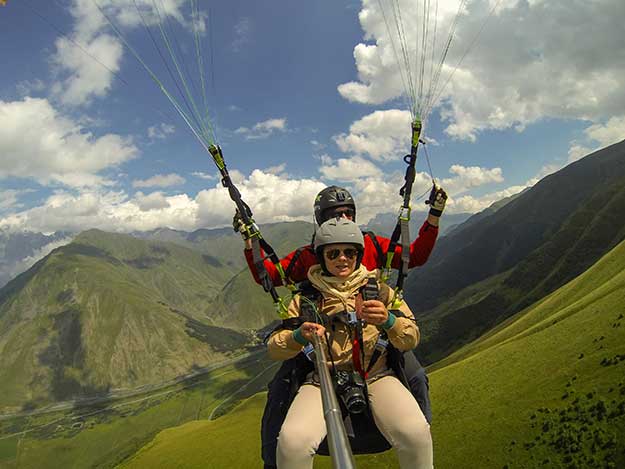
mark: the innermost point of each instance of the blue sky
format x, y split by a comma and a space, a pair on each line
303, 95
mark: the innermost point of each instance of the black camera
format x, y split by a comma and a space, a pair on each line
351, 388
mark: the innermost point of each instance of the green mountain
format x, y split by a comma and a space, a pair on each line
242, 303
113, 312
486, 270
544, 389
108, 312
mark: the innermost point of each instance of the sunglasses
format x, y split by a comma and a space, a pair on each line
340, 212
333, 254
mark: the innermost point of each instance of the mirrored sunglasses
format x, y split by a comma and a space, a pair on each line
333, 254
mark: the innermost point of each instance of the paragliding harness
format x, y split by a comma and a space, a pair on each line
364, 436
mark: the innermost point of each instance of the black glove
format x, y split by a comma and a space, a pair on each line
239, 226
437, 200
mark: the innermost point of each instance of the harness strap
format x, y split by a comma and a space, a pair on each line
378, 248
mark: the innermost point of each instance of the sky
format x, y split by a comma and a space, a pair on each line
301, 95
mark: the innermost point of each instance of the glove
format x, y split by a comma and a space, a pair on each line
239, 226
437, 200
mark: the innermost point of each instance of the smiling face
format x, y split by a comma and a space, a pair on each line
340, 259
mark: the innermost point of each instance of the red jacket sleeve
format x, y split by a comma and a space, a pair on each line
420, 249
299, 269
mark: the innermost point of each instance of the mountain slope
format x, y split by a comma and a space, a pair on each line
544, 389
531, 246
105, 312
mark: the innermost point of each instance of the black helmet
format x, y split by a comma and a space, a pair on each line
332, 197
338, 231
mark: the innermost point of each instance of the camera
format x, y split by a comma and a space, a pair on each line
351, 388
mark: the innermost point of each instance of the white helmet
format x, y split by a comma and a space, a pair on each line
338, 231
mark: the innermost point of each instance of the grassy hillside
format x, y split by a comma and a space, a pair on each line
545, 388
106, 312
105, 433
532, 245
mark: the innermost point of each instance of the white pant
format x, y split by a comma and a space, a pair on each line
394, 409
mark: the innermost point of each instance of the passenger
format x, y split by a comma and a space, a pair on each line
339, 278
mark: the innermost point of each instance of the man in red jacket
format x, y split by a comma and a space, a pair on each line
335, 202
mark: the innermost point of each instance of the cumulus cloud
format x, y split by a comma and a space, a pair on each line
160, 180
39, 143
347, 169
598, 136
153, 201
263, 129
472, 204
272, 198
88, 58
466, 178
381, 135
160, 131
9, 199
533, 60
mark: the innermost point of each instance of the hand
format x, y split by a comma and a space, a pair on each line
239, 226
374, 312
237, 222
309, 329
437, 200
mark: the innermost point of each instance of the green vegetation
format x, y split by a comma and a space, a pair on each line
104, 434
525, 250
545, 388
108, 312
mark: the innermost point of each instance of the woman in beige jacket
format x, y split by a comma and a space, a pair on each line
339, 278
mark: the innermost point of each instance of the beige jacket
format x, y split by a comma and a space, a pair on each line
404, 334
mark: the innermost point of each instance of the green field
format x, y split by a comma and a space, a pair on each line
545, 389
104, 435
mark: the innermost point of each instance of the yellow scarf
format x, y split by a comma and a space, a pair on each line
341, 288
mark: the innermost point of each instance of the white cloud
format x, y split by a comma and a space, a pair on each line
271, 197
88, 58
278, 169
533, 60
202, 175
153, 201
87, 74
242, 32
9, 197
27, 262
109, 211
347, 169
28, 87
160, 131
466, 178
160, 180
39, 143
263, 129
381, 135
598, 136
471, 204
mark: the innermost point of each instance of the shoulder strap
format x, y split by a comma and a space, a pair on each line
289, 269
378, 248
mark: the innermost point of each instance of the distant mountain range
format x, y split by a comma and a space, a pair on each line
494, 265
112, 311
